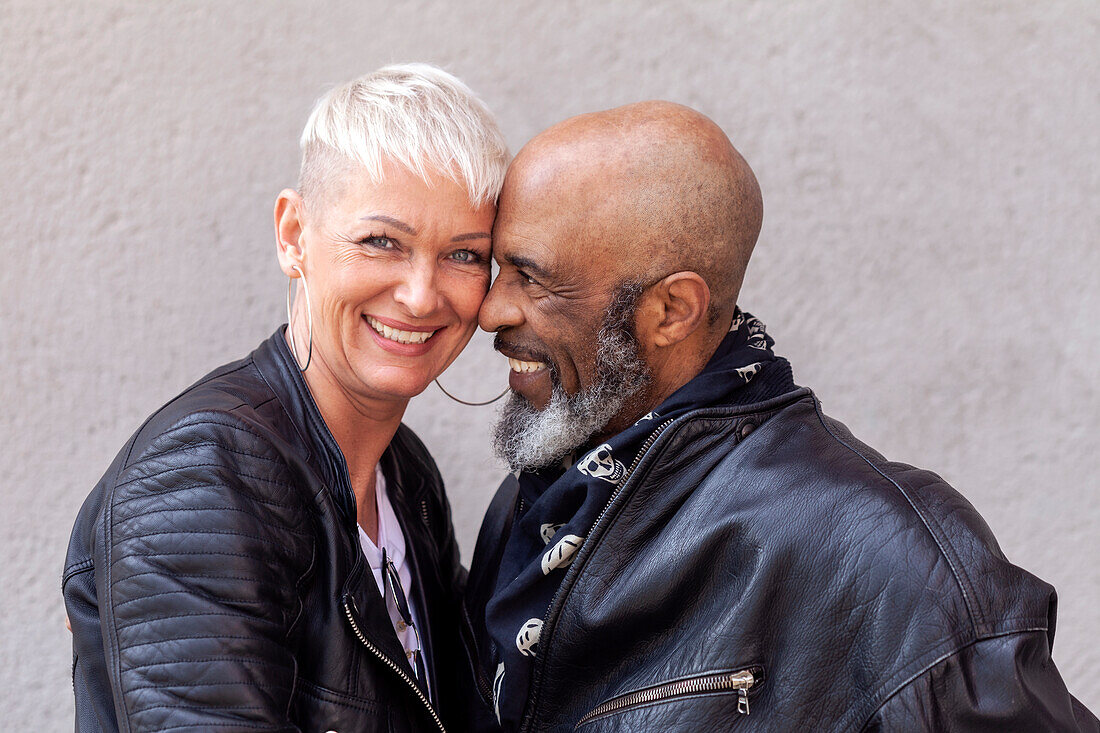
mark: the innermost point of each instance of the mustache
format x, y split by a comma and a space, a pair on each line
522, 351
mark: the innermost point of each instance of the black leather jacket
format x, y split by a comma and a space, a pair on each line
215, 581
761, 569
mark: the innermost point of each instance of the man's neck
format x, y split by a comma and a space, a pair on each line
670, 369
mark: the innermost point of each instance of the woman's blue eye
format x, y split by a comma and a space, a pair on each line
379, 242
465, 255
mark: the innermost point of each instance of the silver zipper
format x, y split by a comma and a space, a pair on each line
599, 518
724, 682
391, 664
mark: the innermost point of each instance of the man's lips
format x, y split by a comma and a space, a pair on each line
523, 362
524, 367
520, 360
532, 373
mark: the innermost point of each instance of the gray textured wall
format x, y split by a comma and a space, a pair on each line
929, 258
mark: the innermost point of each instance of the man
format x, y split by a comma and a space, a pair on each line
689, 544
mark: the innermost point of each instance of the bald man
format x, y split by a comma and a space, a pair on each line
688, 543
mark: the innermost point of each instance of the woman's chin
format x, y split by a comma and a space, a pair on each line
400, 389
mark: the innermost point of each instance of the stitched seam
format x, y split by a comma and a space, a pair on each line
196, 613
153, 512
941, 658
198, 638
265, 540
191, 445
177, 592
322, 693
181, 469
186, 422
236, 724
203, 660
113, 648
81, 567
204, 706
187, 575
213, 553
955, 573
298, 590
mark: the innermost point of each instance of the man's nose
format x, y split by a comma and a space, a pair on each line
499, 309
418, 291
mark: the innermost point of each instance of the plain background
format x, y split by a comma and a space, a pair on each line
929, 257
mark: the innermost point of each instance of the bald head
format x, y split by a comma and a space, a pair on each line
654, 188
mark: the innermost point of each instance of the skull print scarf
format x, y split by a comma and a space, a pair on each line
558, 507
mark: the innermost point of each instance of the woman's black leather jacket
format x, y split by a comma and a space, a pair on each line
215, 581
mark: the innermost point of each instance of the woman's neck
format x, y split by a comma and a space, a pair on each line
363, 429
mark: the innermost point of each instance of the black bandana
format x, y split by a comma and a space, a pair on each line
563, 504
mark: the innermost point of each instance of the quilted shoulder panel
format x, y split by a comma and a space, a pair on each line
205, 540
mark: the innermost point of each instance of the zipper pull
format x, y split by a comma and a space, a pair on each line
742, 681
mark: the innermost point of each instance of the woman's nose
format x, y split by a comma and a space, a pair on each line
418, 292
499, 309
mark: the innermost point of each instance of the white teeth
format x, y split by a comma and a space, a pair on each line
401, 337
525, 366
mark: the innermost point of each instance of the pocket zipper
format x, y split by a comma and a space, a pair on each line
741, 682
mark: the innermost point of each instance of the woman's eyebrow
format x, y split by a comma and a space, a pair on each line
471, 235
395, 223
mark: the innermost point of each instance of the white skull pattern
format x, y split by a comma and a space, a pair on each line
748, 372
561, 554
599, 463
548, 531
527, 640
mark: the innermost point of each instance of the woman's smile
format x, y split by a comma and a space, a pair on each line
402, 338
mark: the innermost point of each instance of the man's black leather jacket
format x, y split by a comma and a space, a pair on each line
761, 569
215, 581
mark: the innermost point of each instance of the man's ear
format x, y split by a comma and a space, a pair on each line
289, 222
676, 306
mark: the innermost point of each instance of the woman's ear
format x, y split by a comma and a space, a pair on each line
289, 223
676, 308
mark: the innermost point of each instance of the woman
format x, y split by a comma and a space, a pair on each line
272, 550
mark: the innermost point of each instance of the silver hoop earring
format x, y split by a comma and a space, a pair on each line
290, 323
471, 404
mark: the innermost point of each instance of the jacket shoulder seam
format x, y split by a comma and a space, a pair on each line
926, 521
940, 658
76, 569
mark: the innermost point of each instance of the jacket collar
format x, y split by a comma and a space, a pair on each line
407, 477
278, 368
400, 462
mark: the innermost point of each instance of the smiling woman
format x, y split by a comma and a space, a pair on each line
273, 548
397, 270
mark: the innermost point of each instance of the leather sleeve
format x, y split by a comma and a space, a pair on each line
1004, 683
203, 542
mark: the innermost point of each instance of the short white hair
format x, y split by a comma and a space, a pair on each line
417, 115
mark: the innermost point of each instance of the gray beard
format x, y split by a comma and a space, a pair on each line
528, 439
